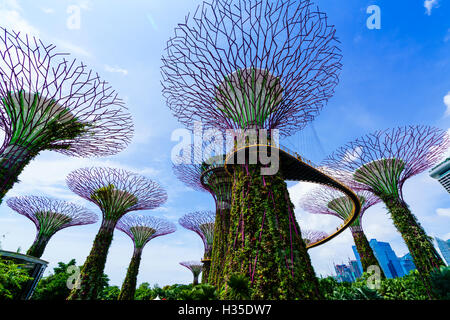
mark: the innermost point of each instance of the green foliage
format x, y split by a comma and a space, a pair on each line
12, 278
440, 281
239, 287
110, 293
54, 287
144, 292
409, 287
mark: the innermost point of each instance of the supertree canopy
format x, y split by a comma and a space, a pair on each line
116, 192
49, 216
141, 229
206, 172
50, 103
247, 64
238, 65
325, 200
196, 268
311, 236
202, 223
381, 162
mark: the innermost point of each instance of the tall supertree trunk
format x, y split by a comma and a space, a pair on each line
365, 251
38, 246
129, 284
264, 240
92, 270
419, 244
219, 248
12, 161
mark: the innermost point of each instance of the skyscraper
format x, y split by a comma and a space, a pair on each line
442, 173
343, 273
407, 263
386, 257
444, 247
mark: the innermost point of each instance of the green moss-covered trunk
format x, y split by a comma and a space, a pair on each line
264, 241
129, 284
195, 281
365, 251
38, 246
12, 162
92, 270
420, 245
206, 269
219, 248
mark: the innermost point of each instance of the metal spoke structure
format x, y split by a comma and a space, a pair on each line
141, 229
196, 268
381, 162
116, 192
49, 216
325, 200
49, 101
203, 224
311, 236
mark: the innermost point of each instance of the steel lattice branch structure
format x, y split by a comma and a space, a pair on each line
51, 102
325, 200
288, 45
203, 224
116, 192
311, 236
264, 65
141, 229
381, 162
196, 268
49, 216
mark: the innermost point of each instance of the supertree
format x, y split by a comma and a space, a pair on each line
202, 223
49, 216
116, 192
141, 229
325, 200
311, 236
206, 173
196, 268
50, 103
266, 66
381, 162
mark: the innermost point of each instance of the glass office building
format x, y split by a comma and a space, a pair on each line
444, 247
386, 257
407, 263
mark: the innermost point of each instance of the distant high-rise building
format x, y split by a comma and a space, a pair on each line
343, 273
407, 263
386, 257
444, 247
442, 173
354, 268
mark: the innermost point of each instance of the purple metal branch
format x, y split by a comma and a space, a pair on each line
419, 148
142, 229
202, 223
30, 68
56, 214
86, 181
283, 53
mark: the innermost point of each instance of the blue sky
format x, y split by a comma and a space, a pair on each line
394, 76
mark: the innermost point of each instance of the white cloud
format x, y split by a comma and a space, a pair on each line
11, 18
447, 103
444, 212
429, 5
116, 70
72, 48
